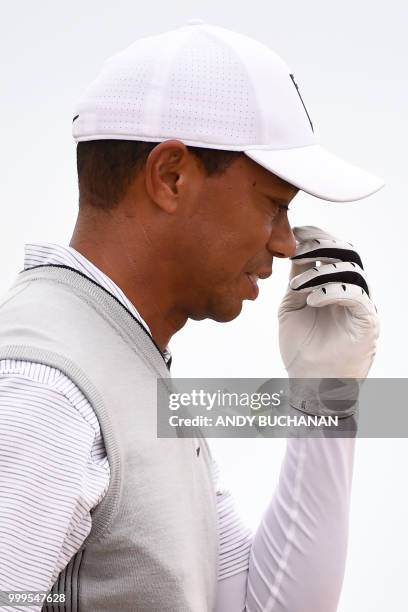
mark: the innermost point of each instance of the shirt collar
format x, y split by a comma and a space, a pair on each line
46, 253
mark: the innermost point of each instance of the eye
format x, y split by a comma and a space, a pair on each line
281, 208
276, 207
277, 204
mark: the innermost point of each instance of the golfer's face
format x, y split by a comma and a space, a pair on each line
240, 226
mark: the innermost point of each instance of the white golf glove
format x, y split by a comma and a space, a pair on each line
328, 323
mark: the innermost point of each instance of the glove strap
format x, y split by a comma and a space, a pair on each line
325, 396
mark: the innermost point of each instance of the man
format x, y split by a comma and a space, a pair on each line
191, 145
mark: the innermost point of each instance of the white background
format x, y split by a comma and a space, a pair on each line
349, 59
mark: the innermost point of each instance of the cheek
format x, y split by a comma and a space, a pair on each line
224, 238
253, 235
227, 255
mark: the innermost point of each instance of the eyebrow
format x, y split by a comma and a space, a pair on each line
280, 201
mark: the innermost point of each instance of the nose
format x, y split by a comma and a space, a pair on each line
282, 242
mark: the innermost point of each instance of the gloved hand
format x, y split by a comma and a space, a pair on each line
328, 324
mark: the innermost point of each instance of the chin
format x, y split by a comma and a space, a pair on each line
224, 312
220, 308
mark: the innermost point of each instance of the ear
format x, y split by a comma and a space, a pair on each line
170, 173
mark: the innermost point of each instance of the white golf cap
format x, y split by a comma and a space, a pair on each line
209, 87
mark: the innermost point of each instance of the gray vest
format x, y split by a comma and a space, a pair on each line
153, 544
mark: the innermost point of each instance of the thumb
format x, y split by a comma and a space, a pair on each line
295, 300
297, 268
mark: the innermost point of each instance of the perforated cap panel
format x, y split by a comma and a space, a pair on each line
209, 97
193, 84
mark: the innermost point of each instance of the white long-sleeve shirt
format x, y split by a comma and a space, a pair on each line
49, 433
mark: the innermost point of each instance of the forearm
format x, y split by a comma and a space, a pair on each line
297, 558
298, 554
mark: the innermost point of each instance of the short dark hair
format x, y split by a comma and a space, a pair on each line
107, 167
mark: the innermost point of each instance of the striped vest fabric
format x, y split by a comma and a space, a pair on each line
159, 510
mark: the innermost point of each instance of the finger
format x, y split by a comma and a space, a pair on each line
326, 251
311, 232
348, 295
341, 272
300, 267
316, 244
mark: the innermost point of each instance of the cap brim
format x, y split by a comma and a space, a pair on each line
318, 172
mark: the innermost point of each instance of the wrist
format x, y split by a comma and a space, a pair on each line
325, 396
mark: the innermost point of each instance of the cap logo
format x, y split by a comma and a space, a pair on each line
301, 99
